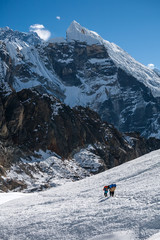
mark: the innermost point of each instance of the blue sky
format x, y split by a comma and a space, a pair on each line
134, 25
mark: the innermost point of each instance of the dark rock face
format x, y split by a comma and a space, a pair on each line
11, 184
31, 121
67, 60
134, 110
128, 104
34, 122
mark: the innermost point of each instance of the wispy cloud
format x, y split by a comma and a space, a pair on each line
41, 31
58, 17
151, 66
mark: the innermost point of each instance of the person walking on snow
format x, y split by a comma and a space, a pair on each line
112, 188
105, 189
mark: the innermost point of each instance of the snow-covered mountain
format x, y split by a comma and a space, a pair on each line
23, 62
46, 144
121, 58
78, 210
84, 69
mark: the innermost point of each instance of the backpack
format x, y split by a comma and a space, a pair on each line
112, 187
106, 188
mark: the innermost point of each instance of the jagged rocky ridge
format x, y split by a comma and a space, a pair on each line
76, 143
84, 70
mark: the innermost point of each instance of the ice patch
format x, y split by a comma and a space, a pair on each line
6, 197
155, 237
120, 235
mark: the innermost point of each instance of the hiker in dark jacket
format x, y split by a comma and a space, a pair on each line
112, 188
105, 189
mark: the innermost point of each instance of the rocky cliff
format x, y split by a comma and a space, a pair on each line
32, 123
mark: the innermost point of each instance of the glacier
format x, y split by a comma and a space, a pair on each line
79, 210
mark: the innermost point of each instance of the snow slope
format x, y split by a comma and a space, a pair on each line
78, 210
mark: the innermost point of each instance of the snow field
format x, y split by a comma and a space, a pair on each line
78, 210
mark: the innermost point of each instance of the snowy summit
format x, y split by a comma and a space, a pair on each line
122, 59
76, 32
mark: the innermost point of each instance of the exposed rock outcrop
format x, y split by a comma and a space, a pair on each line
31, 122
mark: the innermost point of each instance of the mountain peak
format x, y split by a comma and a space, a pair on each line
9, 35
76, 32
6, 29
